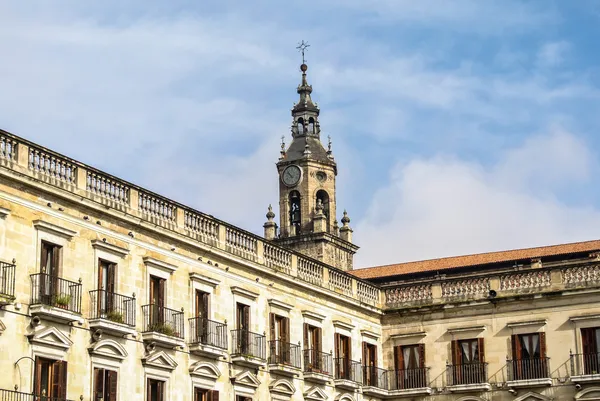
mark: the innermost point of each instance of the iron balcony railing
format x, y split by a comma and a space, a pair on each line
375, 377
163, 320
7, 280
585, 364
346, 369
112, 306
284, 353
407, 379
55, 291
10, 395
247, 343
528, 368
208, 332
316, 361
468, 373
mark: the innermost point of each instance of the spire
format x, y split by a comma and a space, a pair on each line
305, 104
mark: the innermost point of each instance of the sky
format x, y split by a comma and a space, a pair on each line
458, 127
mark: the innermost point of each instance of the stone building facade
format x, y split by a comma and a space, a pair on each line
111, 292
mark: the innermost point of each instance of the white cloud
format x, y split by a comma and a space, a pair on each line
444, 206
553, 53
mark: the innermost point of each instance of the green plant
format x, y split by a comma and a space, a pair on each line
115, 316
163, 328
63, 300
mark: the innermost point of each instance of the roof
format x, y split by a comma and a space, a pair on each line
317, 151
475, 260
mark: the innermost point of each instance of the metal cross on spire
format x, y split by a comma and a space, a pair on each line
302, 46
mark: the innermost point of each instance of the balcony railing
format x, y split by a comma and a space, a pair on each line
346, 369
55, 291
114, 307
528, 369
375, 377
208, 332
407, 379
316, 361
163, 320
284, 353
7, 280
10, 395
585, 364
468, 373
247, 343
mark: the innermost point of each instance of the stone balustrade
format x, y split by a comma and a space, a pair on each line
51, 168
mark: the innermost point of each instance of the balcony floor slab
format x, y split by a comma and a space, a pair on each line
594, 378
465, 388
529, 383
412, 392
111, 327
346, 384
208, 350
53, 313
317, 377
162, 340
248, 361
284, 370
375, 391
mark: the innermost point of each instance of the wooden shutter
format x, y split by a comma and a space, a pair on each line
398, 358
336, 341
421, 355
110, 287
37, 379
272, 327
112, 385
44, 258
56, 260
542, 345
98, 384
588, 341
456, 353
516, 347
161, 390
148, 389
286, 330
481, 349
213, 395
59, 379
365, 354
305, 336
161, 292
318, 339
247, 317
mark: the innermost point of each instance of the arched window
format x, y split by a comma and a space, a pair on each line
311, 125
323, 196
300, 126
295, 216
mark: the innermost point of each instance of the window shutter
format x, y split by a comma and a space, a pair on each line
587, 340
98, 383
306, 336
206, 304
111, 278
246, 318
161, 391
398, 358
456, 354
481, 350
365, 354
375, 356
516, 347
56, 262
59, 379
287, 330
542, 345
272, 327
161, 293
112, 386
36, 376
318, 345
421, 356
336, 341
44, 258
148, 390
213, 395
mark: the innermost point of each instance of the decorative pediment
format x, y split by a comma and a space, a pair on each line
344, 397
589, 394
110, 248
108, 349
315, 394
531, 396
205, 370
283, 387
470, 398
160, 360
51, 337
159, 264
246, 378
42, 225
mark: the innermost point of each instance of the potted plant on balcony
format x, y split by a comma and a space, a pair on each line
163, 328
63, 300
115, 316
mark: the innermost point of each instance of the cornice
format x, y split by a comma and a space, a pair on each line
54, 229
114, 249
343, 325
159, 264
199, 278
280, 305
244, 292
313, 315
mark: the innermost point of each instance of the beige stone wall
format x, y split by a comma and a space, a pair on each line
21, 240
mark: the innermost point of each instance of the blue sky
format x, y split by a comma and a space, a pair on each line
458, 127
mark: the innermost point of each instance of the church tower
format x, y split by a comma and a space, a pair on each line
307, 198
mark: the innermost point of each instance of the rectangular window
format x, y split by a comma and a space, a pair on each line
157, 291
590, 340
243, 317
201, 306
343, 355
50, 260
313, 358
242, 398
279, 339
105, 385
468, 360
50, 378
155, 390
369, 359
529, 356
206, 395
106, 275
409, 363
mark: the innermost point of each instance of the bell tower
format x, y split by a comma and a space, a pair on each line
307, 197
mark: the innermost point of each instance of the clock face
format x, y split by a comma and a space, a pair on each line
291, 175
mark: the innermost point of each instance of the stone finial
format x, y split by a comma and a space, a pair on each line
306, 149
282, 152
320, 220
336, 227
319, 206
346, 231
270, 226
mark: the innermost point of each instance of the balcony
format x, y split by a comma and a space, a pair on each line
468, 377
348, 374
7, 283
585, 368
375, 381
111, 312
409, 382
284, 358
208, 338
529, 372
163, 326
10, 395
54, 298
249, 349
317, 366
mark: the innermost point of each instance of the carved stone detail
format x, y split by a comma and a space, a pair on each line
411, 293
581, 275
526, 280
466, 287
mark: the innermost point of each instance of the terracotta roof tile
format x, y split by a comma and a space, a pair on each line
474, 260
